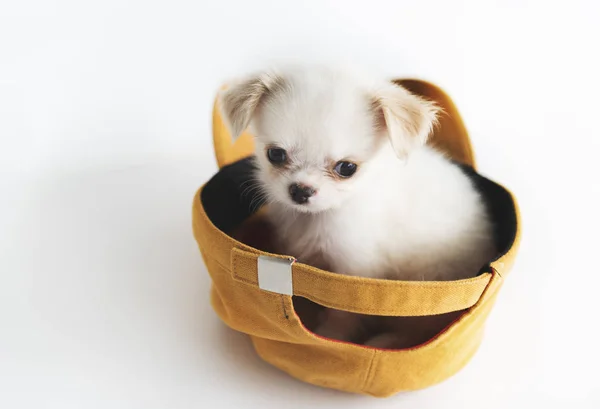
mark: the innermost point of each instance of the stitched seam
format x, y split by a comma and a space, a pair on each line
229, 271
234, 264
287, 317
376, 370
412, 285
367, 380
379, 310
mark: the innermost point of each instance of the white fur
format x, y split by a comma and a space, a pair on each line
408, 213
416, 221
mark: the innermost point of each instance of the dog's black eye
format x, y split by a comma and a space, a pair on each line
277, 156
345, 169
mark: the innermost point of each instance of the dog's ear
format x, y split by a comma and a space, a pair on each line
406, 118
239, 102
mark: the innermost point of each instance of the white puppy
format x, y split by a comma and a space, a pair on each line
351, 185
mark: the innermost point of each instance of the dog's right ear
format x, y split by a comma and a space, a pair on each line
239, 102
406, 118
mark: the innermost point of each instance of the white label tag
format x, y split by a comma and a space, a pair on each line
275, 275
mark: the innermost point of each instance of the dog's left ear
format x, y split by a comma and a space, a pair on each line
406, 118
239, 102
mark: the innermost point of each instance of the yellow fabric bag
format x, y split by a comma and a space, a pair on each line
269, 316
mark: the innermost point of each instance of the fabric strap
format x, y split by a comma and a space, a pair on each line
367, 295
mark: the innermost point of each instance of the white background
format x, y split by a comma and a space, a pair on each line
105, 135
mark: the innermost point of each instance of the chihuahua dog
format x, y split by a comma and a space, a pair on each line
353, 188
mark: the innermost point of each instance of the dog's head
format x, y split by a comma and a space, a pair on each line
319, 133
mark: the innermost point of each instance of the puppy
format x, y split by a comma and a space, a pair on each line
352, 187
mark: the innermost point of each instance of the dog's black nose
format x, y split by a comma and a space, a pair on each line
301, 193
